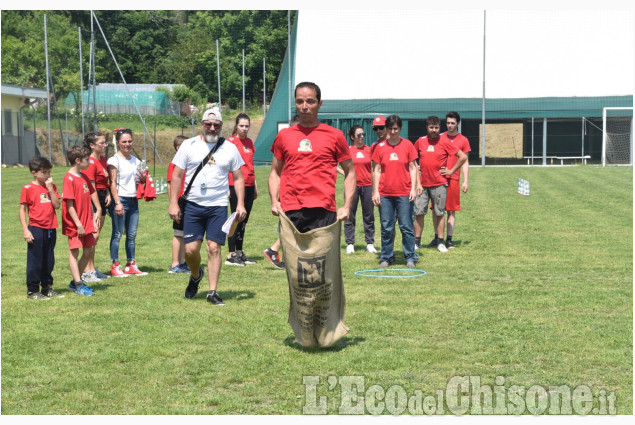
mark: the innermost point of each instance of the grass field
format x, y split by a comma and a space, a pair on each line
539, 291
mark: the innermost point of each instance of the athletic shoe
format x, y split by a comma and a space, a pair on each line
192, 286
116, 271
90, 277
132, 269
37, 296
417, 245
101, 275
442, 247
274, 258
246, 259
384, 264
214, 298
184, 268
449, 244
71, 286
84, 290
350, 249
49, 292
371, 248
411, 264
234, 260
175, 269
433, 244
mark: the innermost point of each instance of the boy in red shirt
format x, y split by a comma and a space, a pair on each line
77, 216
39, 200
433, 154
178, 247
453, 200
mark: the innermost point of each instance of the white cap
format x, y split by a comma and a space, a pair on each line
212, 114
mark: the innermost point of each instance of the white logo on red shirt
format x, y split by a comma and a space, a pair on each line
430, 148
394, 157
305, 146
360, 154
44, 198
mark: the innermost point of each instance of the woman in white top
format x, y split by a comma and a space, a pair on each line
124, 177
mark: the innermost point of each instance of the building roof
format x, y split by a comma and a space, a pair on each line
20, 91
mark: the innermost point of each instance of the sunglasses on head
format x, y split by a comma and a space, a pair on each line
123, 130
379, 128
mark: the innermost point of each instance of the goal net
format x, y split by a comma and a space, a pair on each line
617, 136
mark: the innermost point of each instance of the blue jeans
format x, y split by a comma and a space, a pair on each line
403, 207
128, 221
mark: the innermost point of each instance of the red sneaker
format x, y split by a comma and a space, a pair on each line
115, 270
132, 268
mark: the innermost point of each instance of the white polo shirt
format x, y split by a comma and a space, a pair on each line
211, 187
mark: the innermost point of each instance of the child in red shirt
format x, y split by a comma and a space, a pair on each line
39, 200
77, 216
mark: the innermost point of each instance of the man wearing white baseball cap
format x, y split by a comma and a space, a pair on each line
205, 209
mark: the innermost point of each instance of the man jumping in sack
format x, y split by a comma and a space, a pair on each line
302, 187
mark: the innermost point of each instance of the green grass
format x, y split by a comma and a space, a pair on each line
539, 290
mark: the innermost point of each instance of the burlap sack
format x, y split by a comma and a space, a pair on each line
316, 291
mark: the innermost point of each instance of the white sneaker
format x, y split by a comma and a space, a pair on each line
90, 277
350, 249
442, 247
371, 248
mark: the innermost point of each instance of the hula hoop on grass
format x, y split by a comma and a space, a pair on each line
373, 273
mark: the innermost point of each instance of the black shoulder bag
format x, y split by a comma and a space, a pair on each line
183, 198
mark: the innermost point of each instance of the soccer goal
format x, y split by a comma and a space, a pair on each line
617, 136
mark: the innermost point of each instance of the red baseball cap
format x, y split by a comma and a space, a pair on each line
379, 120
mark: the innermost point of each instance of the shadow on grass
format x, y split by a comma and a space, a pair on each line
338, 346
100, 286
229, 295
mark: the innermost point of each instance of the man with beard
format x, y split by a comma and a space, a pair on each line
206, 207
434, 152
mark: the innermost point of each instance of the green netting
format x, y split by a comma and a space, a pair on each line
121, 102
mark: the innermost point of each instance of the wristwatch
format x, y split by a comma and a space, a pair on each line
117, 203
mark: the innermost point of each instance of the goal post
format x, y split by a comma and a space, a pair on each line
617, 136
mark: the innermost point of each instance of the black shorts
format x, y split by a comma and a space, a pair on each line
102, 194
179, 225
306, 219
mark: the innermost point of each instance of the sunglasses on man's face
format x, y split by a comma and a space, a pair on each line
212, 124
379, 128
360, 135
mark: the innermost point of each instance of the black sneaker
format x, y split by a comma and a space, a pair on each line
246, 259
234, 260
214, 298
49, 292
433, 244
449, 244
37, 296
192, 286
274, 257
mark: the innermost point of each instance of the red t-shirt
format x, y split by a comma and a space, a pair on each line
394, 161
79, 190
246, 149
433, 156
361, 161
97, 171
310, 157
41, 211
170, 171
461, 142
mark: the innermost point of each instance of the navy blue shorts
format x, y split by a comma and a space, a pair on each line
199, 221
